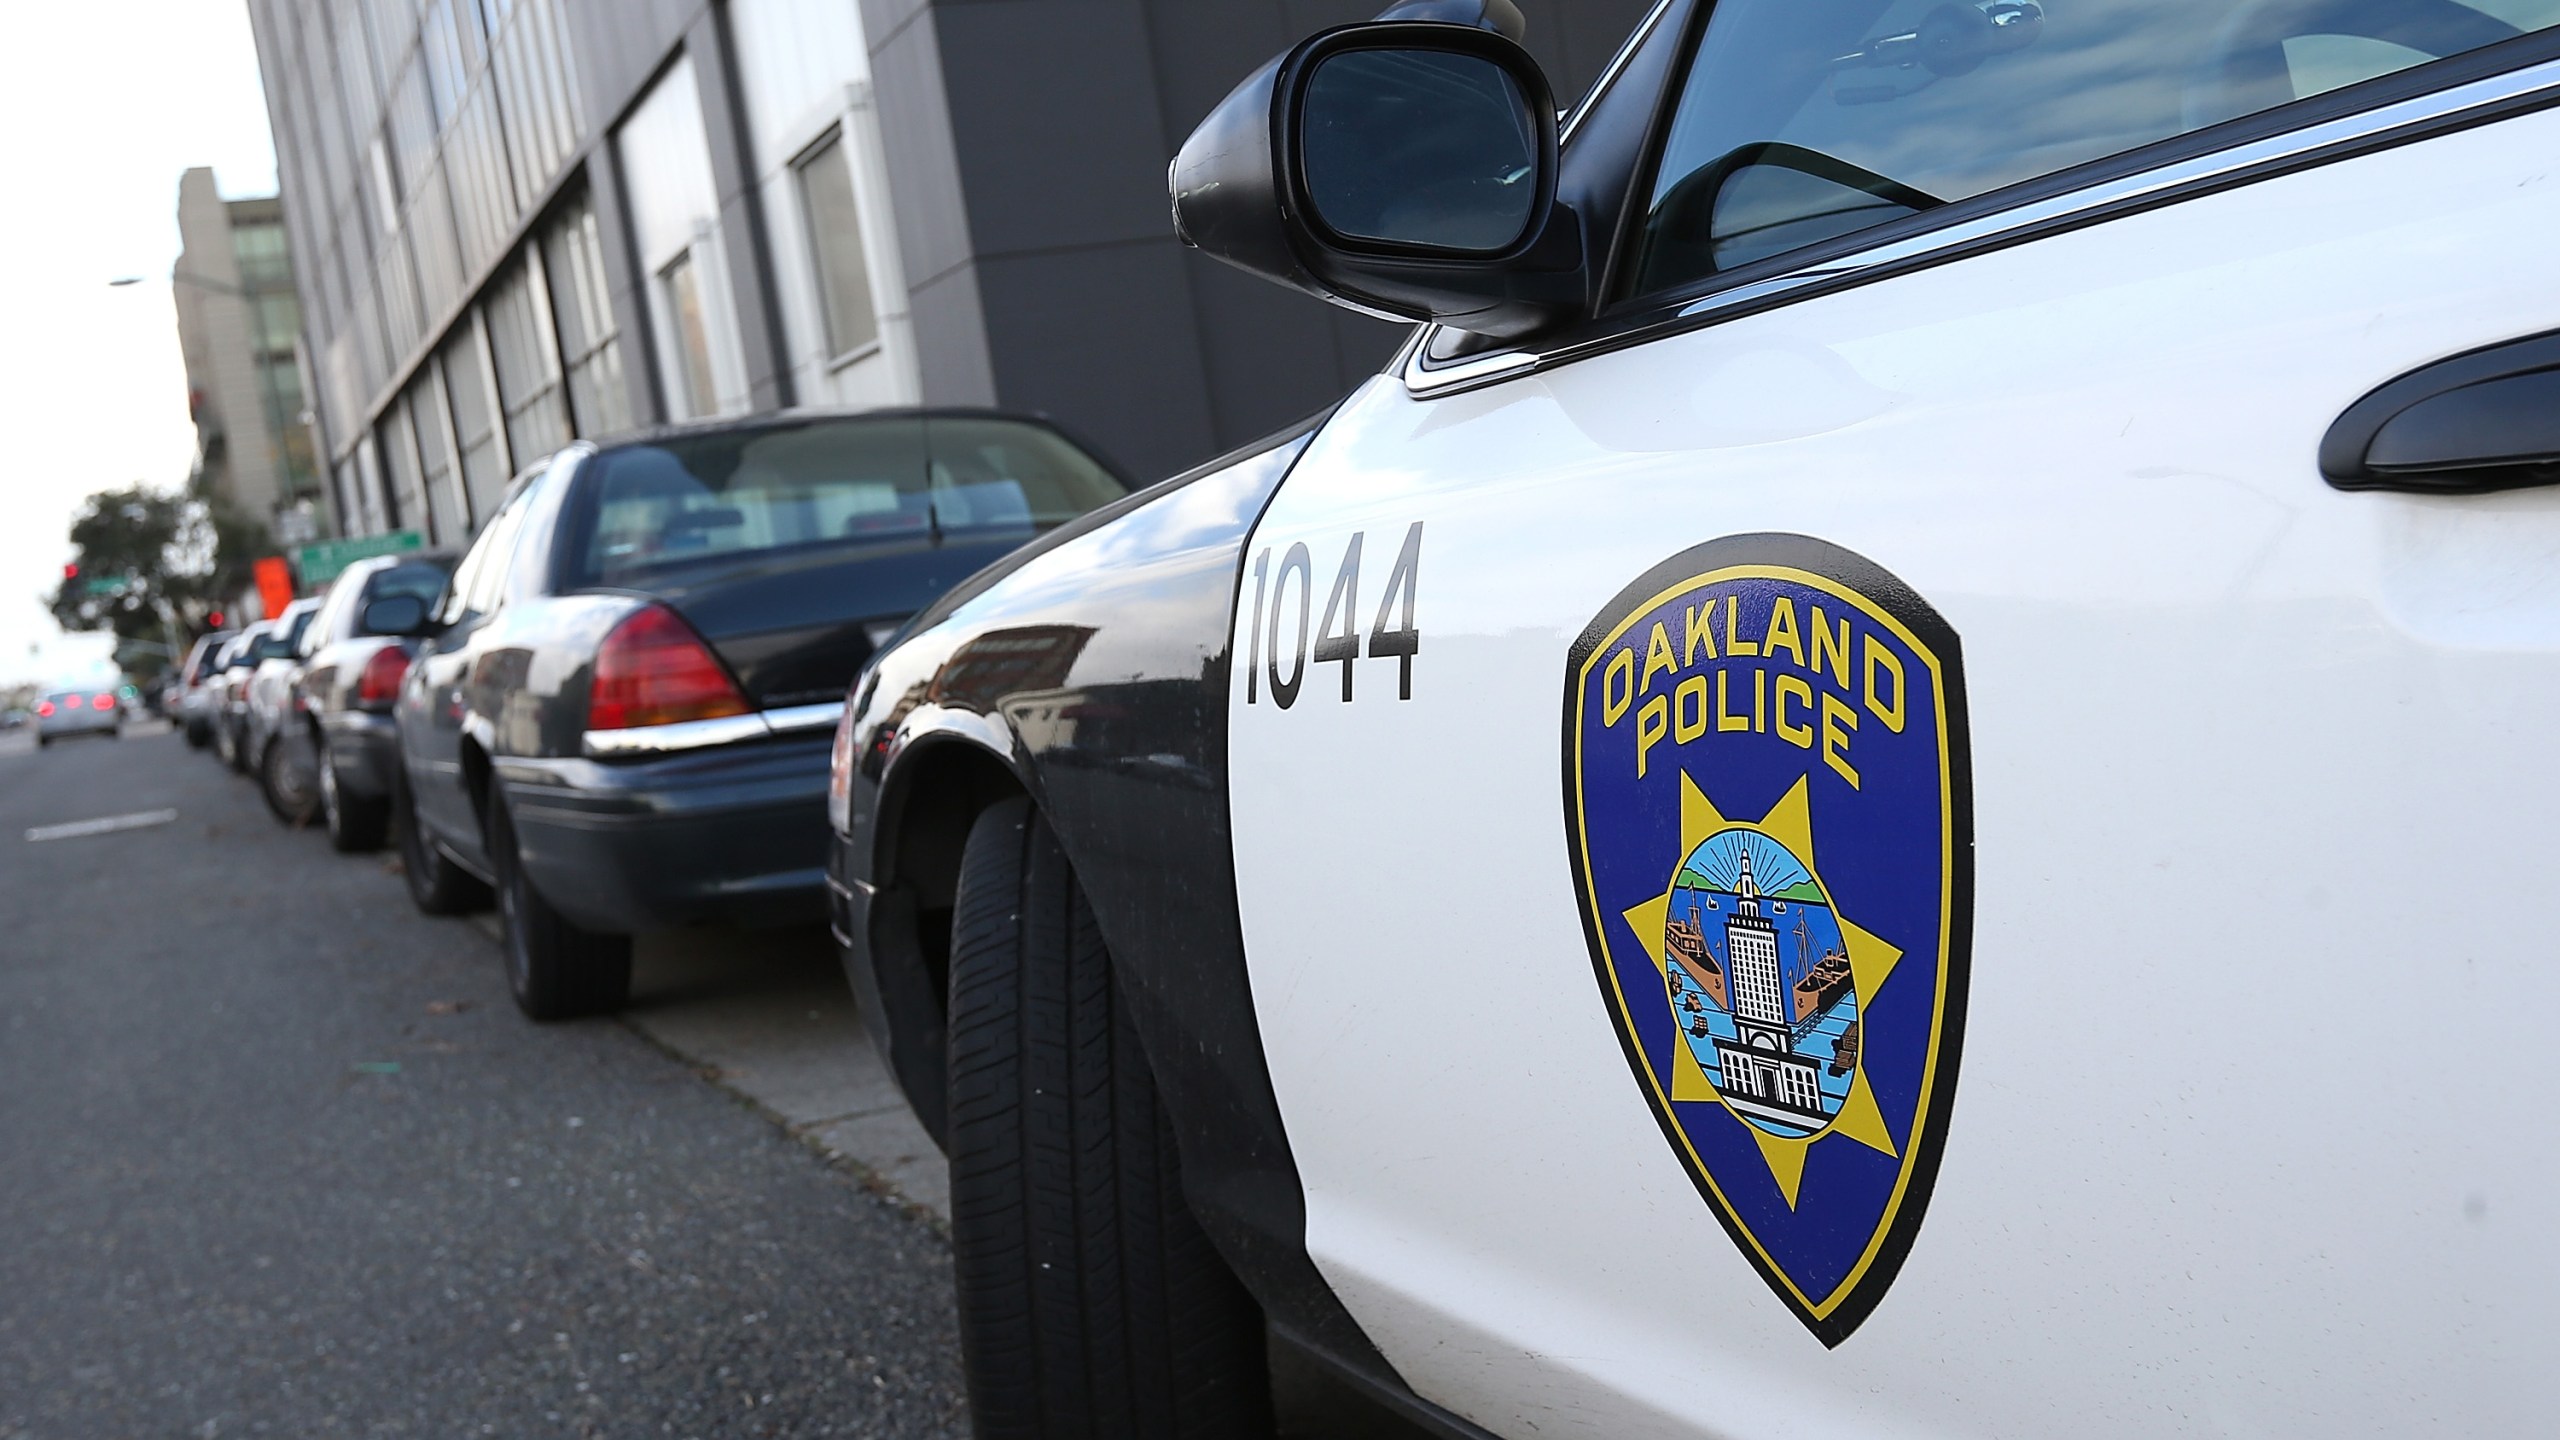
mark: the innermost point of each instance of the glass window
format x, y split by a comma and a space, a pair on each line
835, 239
481, 580
425, 580
692, 336
590, 341
475, 426
1800, 123
645, 509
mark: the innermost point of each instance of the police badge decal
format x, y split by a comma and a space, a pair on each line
1768, 807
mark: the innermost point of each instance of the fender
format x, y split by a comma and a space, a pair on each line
1089, 671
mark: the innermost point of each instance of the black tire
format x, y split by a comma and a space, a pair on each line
1091, 1305
43, 740
235, 749
437, 886
287, 783
198, 736
556, 970
357, 824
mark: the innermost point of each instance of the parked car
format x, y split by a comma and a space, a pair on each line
75, 711
276, 750
350, 680
1814, 816
196, 705
621, 715
228, 693
14, 718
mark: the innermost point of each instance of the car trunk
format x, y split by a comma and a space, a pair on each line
796, 626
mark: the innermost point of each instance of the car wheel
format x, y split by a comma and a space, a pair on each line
1091, 1305
198, 737
284, 777
436, 885
235, 749
43, 740
356, 824
557, 970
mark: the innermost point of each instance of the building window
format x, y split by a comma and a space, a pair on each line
590, 342
520, 344
475, 425
448, 509
835, 241
683, 287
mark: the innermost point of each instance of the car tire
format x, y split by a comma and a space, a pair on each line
556, 970
1091, 1305
286, 784
235, 750
437, 886
198, 736
43, 740
357, 825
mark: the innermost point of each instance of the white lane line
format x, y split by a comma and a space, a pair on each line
107, 826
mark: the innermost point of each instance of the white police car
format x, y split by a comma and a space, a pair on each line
1894, 783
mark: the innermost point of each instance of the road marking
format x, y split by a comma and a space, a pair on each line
107, 826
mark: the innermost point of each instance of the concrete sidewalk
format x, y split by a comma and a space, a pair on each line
766, 1015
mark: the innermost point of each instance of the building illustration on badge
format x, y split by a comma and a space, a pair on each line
1768, 811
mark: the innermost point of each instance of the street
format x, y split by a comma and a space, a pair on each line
282, 1158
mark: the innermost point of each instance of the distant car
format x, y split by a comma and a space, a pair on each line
227, 698
276, 751
350, 679
194, 689
623, 714
64, 713
14, 719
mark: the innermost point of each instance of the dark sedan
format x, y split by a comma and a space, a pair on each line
350, 681
622, 713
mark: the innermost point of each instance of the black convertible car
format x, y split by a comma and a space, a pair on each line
619, 716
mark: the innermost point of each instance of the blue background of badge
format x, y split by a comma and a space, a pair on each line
1880, 849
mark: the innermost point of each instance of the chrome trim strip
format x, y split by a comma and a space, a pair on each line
668, 739
792, 719
2200, 170
1617, 66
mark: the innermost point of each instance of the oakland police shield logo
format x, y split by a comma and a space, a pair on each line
1767, 804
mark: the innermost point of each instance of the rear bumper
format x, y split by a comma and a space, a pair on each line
364, 749
736, 834
87, 722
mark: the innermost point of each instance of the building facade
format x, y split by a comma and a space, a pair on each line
239, 329
526, 221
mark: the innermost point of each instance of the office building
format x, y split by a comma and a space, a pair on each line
239, 326
524, 221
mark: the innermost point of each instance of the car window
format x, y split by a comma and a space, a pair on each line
481, 578
819, 483
425, 581
1801, 122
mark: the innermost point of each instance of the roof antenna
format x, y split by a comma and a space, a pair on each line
1499, 16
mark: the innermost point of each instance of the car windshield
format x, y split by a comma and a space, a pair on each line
1800, 123
827, 483
423, 580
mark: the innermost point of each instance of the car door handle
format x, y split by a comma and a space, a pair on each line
2488, 420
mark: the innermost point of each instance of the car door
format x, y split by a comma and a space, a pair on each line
1960, 646
434, 703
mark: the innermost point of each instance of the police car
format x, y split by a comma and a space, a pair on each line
1895, 781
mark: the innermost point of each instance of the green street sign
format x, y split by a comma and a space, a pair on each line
319, 564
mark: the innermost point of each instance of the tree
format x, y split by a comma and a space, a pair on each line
151, 563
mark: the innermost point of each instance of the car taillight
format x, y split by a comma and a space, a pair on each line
653, 670
44, 707
72, 702
380, 682
105, 702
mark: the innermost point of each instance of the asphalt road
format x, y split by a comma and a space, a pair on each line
278, 1157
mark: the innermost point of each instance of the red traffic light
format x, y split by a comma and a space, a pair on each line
214, 619
71, 572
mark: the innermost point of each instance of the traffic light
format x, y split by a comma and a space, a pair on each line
214, 619
71, 571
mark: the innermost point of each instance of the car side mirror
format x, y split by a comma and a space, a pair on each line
1405, 168
403, 615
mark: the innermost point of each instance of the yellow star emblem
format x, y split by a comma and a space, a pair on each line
1871, 962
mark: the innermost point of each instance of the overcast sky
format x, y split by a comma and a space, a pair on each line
101, 107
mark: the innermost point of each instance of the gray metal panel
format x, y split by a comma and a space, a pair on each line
1102, 339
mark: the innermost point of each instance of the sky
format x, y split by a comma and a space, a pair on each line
101, 107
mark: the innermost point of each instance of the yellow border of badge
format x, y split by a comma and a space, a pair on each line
1819, 1309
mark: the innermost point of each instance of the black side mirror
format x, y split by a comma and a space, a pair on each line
404, 615
1405, 168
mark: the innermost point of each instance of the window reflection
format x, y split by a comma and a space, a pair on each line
1803, 122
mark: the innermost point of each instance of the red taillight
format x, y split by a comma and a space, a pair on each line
380, 682
105, 702
653, 670
72, 702
44, 707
